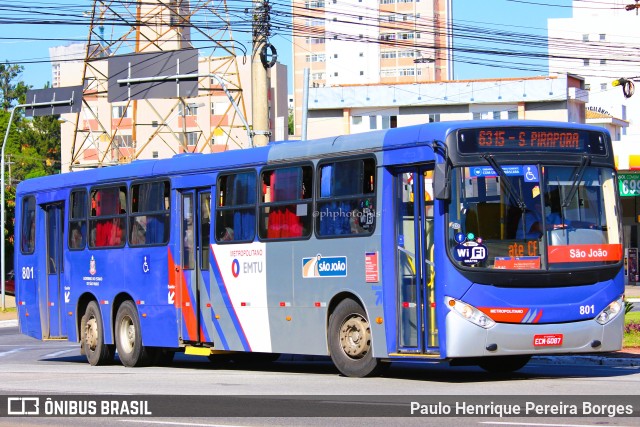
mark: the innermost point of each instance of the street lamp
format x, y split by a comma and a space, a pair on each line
2, 184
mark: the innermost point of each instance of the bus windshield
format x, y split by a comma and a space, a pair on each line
544, 218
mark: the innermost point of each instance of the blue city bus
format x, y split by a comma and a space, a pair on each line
476, 243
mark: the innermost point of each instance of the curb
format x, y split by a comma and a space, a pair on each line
8, 323
592, 360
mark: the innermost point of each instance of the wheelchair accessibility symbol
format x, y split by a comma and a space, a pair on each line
145, 265
530, 173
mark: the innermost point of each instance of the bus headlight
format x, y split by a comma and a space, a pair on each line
610, 313
469, 312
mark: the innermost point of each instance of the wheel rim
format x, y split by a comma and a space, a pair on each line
127, 334
355, 336
91, 334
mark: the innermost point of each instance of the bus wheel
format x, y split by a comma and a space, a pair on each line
129, 337
92, 333
504, 364
350, 341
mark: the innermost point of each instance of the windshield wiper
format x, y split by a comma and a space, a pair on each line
577, 178
505, 180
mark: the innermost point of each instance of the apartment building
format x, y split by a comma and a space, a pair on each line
369, 42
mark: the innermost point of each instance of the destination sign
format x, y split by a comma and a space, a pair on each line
530, 139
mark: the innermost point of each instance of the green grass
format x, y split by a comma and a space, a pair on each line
631, 339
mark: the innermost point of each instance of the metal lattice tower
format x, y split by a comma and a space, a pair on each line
107, 133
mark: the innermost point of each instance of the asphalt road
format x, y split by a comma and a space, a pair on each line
195, 392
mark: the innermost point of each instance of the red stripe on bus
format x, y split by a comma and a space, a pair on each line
188, 313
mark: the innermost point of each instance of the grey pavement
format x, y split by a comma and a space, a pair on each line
627, 357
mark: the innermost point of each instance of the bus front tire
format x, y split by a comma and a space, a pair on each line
129, 337
504, 364
350, 341
92, 335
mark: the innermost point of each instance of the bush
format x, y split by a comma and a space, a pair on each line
632, 328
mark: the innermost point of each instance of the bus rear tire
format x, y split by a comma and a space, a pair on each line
129, 337
504, 364
350, 341
92, 335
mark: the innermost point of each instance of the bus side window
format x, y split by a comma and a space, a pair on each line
286, 203
236, 207
78, 219
28, 222
107, 226
347, 204
149, 218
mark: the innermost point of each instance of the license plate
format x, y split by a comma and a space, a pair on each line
547, 340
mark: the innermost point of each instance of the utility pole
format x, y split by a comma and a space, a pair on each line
259, 65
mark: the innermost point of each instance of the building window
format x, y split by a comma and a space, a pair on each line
585, 62
123, 141
316, 57
356, 120
191, 110
314, 4
477, 116
434, 118
154, 154
314, 40
362, 73
191, 138
603, 86
120, 111
603, 62
585, 37
512, 115
496, 115
603, 37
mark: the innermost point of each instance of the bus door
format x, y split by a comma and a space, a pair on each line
195, 248
55, 327
417, 331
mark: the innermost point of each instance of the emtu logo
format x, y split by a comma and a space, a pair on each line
235, 268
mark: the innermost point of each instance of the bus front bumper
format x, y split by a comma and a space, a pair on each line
465, 339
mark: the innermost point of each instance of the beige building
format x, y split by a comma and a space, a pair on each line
369, 42
354, 109
217, 118
111, 133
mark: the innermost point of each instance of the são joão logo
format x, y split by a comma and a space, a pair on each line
319, 266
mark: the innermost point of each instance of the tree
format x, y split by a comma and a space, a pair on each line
10, 91
33, 145
292, 124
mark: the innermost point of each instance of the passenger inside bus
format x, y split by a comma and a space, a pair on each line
283, 221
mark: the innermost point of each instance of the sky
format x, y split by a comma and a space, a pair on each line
29, 44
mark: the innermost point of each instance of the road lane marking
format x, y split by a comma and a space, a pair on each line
505, 423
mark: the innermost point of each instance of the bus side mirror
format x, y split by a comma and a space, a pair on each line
441, 182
